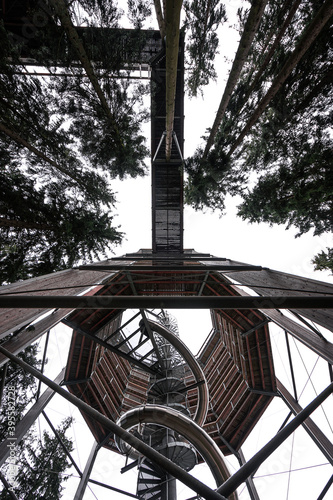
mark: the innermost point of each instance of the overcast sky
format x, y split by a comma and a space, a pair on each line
224, 237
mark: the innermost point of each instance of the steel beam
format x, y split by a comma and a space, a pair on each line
319, 438
87, 471
166, 302
271, 282
129, 438
170, 267
252, 465
320, 346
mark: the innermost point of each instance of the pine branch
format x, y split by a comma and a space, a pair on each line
65, 19
250, 29
306, 40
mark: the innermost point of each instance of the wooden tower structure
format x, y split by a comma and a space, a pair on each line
142, 393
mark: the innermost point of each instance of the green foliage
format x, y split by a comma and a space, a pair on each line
209, 180
203, 18
45, 229
283, 166
41, 466
25, 385
324, 260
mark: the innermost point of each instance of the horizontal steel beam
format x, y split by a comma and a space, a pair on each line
170, 267
166, 302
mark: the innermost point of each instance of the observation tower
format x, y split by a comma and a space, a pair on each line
141, 391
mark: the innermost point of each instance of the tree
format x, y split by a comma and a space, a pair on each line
250, 29
41, 466
273, 147
41, 462
203, 18
324, 260
44, 229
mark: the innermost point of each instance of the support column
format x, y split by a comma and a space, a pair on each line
87, 471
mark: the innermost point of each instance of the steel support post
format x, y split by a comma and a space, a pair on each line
166, 302
129, 438
87, 471
319, 438
249, 481
254, 463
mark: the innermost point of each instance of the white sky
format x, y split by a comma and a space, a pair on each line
224, 237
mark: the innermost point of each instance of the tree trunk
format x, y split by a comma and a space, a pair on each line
17, 138
172, 16
306, 40
66, 22
160, 18
250, 29
271, 51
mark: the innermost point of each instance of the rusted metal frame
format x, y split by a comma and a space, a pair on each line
260, 361
231, 484
118, 352
259, 325
64, 447
318, 437
291, 365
